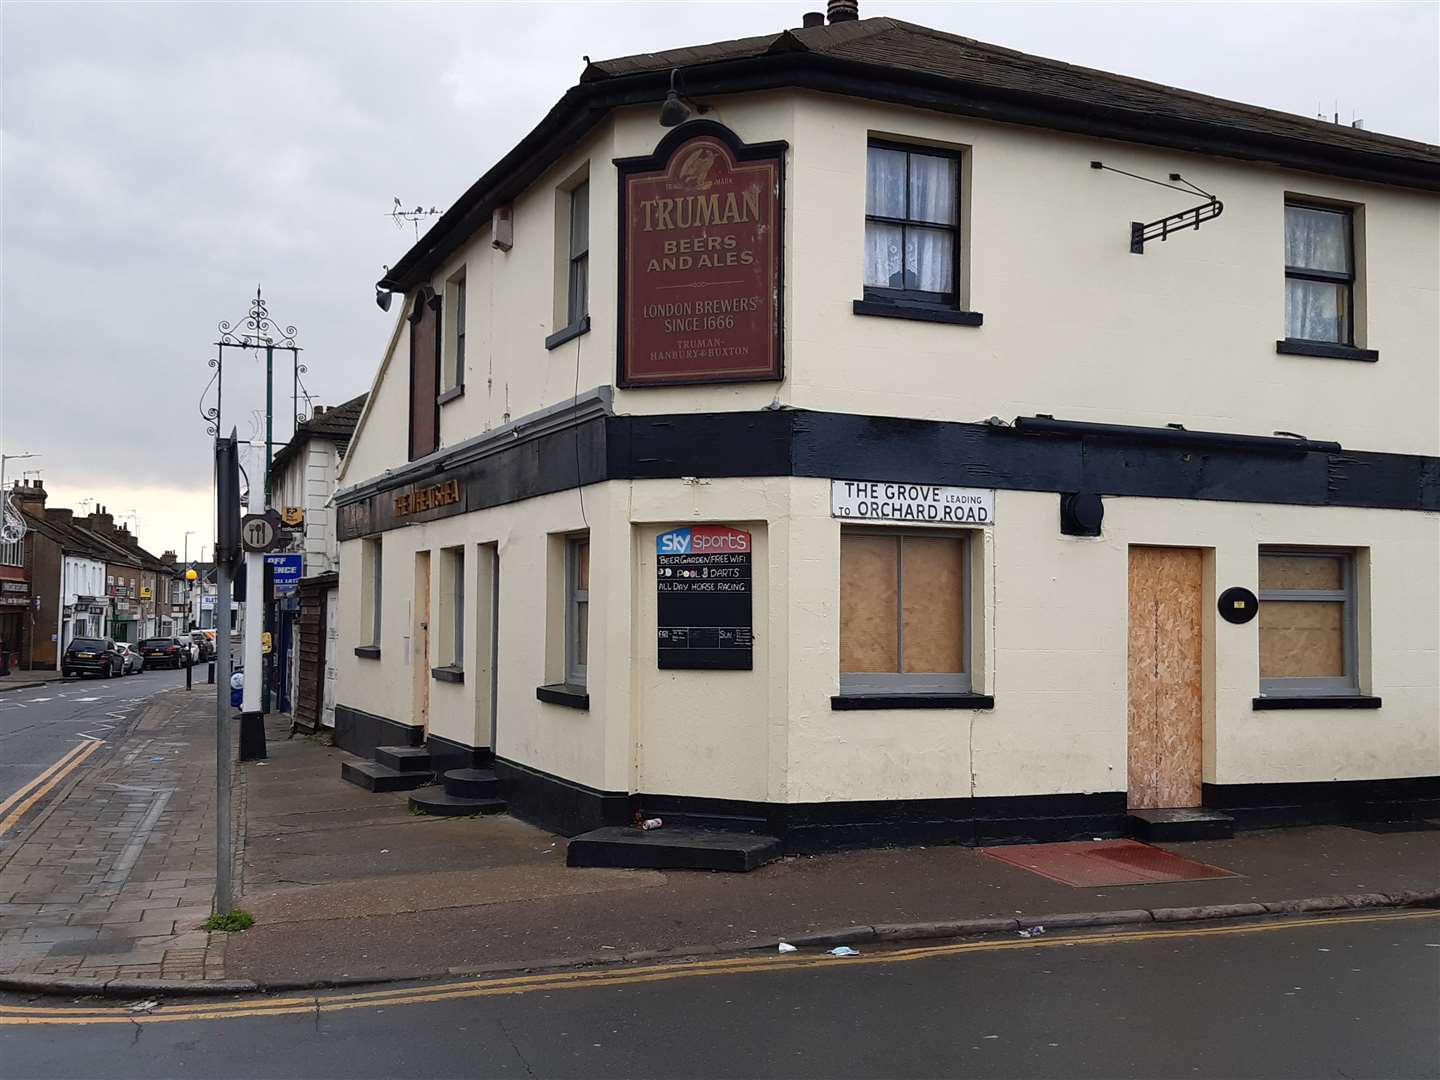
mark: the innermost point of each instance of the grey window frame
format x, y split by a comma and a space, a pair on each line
1329, 277
456, 555
1348, 684
377, 582
457, 349
575, 597
902, 682
577, 275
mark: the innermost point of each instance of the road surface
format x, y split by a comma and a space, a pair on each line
44, 732
1348, 996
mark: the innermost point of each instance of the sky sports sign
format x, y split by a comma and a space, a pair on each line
882, 500
702, 540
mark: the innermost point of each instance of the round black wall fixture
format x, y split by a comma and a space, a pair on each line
1081, 513
1238, 605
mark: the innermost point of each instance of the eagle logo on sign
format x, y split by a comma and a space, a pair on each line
695, 173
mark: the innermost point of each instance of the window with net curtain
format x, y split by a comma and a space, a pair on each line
1319, 274
912, 225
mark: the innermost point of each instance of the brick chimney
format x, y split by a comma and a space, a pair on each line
59, 514
99, 520
843, 10
30, 497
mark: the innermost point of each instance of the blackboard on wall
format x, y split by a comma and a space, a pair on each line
703, 599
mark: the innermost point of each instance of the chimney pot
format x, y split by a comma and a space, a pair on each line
843, 10
813, 18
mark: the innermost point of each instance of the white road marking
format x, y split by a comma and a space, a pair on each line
88, 699
38, 700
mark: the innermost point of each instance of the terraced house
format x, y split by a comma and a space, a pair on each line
828, 438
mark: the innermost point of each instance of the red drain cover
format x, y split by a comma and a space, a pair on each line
1104, 862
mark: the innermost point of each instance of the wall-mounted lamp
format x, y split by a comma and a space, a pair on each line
382, 298
675, 111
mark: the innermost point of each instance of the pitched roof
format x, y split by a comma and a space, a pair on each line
335, 424
891, 60
903, 46
71, 538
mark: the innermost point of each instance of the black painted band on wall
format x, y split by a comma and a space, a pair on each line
360, 732
817, 444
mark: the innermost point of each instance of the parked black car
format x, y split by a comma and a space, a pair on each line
93, 656
165, 652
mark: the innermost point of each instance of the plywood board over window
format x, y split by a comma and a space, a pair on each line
1307, 622
903, 612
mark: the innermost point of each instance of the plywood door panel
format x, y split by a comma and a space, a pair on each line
421, 659
1165, 673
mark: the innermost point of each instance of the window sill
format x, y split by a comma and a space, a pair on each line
574, 330
449, 673
952, 316
572, 697
368, 652
865, 702
1295, 347
1317, 701
451, 394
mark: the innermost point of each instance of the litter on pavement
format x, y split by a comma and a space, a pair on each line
1034, 931
844, 950
144, 1006
785, 946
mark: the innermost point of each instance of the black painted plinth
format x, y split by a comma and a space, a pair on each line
404, 758
373, 776
675, 847
1188, 823
252, 736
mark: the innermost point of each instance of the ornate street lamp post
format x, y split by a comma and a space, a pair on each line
257, 330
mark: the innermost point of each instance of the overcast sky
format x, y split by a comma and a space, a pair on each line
160, 160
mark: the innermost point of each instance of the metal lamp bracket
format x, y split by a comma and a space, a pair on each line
1161, 228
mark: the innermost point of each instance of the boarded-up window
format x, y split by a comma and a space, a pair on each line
903, 604
1307, 622
425, 374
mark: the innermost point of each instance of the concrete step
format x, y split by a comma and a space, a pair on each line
437, 801
404, 758
373, 776
1180, 823
471, 783
672, 847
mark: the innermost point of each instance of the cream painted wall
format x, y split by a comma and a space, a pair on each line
1050, 645
1075, 325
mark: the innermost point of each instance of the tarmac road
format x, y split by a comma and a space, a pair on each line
43, 730
1348, 996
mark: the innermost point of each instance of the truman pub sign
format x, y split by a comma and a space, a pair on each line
700, 243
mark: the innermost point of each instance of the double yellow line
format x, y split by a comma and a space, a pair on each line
43, 784
769, 963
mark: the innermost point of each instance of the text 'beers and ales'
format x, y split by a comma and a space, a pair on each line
700, 262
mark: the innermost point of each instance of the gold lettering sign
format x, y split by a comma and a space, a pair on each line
446, 493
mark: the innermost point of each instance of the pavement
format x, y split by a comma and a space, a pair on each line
1314, 997
349, 886
110, 873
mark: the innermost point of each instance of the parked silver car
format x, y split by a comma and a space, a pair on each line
134, 662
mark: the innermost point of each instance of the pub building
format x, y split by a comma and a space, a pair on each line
827, 440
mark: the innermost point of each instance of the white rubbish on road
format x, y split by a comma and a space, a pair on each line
785, 946
844, 950
1034, 931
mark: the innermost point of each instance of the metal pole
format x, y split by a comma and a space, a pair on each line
224, 762
269, 417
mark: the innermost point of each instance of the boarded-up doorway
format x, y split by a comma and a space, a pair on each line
1165, 675
420, 641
